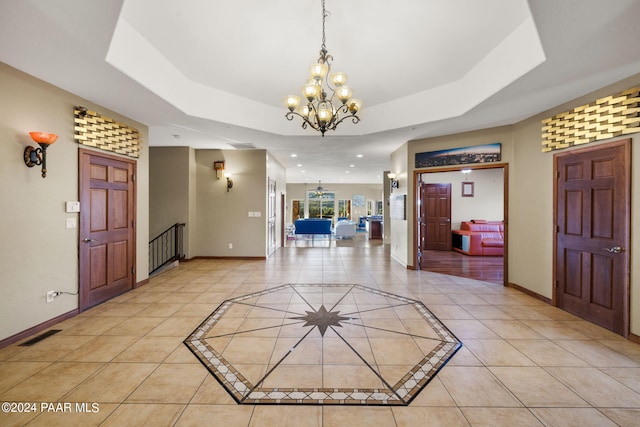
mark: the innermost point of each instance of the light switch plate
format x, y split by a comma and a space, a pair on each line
73, 206
71, 223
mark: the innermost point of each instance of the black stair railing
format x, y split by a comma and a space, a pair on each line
166, 248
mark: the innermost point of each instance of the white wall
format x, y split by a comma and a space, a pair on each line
487, 201
38, 252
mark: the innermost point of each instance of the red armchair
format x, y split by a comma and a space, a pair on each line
479, 237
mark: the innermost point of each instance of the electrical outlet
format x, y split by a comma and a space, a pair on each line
230, 245
50, 296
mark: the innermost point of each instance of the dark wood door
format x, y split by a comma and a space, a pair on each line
438, 217
434, 218
592, 242
107, 221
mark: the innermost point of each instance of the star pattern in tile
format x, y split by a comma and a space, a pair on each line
372, 347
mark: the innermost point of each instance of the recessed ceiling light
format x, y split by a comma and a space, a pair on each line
360, 155
299, 165
346, 171
294, 155
352, 166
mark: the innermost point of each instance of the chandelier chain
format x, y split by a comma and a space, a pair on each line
324, 38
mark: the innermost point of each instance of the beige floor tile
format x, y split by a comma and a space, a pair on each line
512, 329
170, 384
224, 415
497, 353
295, 376
579, 417
555, 330
627, 376
12, 373
87, 415
94, 325
52, 348
536, 388
547, 353
113, 383
622, 417
501, 417
52, 383
137, 414
161, 309
422, 416
149, 349
475, 386
137, 326
101, 349
340, 416
212, 393
470, 329
434, 394
175, 327
292, 416
597, 354
596, 387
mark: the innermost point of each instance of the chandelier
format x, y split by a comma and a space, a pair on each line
319, 190
323, 112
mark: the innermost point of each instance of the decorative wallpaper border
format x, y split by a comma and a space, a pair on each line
605, 118
93, 130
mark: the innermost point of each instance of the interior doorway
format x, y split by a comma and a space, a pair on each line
593, 217
107, 246
459, 264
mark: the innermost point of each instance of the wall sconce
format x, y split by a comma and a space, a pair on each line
392, 180
218, 166
229, 181
38, 156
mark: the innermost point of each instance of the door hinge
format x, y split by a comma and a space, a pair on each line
133, 224
133, 270
557, 283
133, 177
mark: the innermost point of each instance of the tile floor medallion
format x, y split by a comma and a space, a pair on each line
323, 345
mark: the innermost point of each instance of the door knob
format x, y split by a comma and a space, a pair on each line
614, 250
87, 240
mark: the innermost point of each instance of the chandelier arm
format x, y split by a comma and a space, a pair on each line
354, 119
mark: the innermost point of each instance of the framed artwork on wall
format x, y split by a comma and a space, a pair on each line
467, 189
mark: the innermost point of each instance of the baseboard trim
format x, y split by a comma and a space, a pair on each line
141, 283
529, 292
38, 328
634, 338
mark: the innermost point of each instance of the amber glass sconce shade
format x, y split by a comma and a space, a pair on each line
38, 156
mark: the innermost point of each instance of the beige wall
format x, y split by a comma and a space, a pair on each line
530, 201
185, 188
39, 253
169, 190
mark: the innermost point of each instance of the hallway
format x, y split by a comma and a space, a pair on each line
522, 362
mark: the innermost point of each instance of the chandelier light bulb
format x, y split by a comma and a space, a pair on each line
344, 93
292, 102
319, 71
354, 105
338, 79
311, 92
324, 115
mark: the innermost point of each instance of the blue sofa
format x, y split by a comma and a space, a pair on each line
313, 226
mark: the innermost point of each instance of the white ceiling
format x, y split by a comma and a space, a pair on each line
211, 74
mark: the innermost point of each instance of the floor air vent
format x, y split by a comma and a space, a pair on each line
40, 337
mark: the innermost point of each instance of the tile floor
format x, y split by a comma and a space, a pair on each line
522, 362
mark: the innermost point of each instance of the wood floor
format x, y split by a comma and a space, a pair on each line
487, 268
